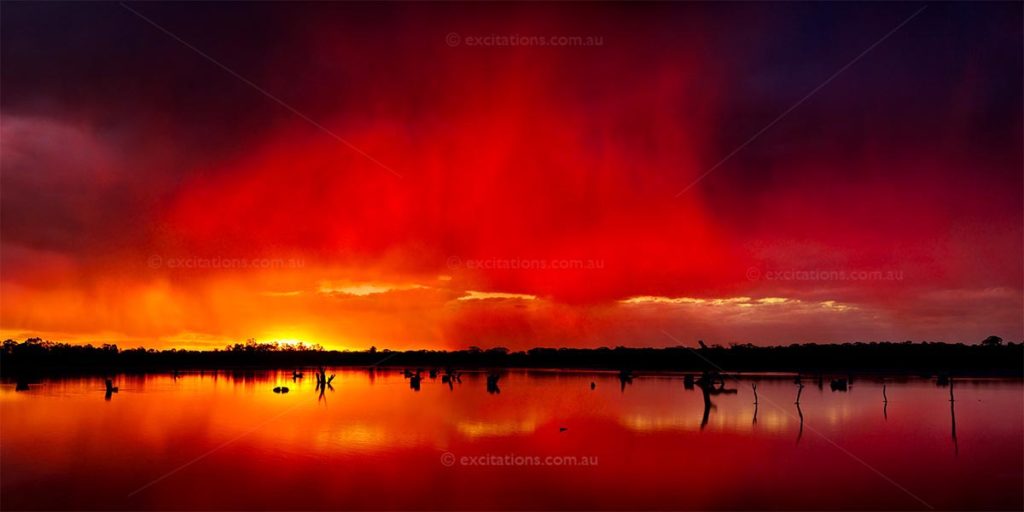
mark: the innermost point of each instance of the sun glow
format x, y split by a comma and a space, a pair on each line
289, 337
297, 336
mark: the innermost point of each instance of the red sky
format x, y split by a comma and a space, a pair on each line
344, 174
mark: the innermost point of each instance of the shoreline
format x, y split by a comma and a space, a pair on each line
35, 356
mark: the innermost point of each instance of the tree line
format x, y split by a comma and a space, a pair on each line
991, 356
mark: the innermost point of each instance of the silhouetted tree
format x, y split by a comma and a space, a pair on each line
992, 341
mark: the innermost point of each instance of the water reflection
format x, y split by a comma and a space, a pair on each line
952, 417
377, 447
800, 412
323, 382
753, 386
110, 389
492, 383
711, 383
885, 403
625, 377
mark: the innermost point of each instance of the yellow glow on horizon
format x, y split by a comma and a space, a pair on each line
288, 336
293, 336
475, 295
652, 299
366, 289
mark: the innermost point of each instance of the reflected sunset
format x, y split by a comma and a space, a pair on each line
372, 433
588, 255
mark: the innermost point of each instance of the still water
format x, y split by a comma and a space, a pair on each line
546, 441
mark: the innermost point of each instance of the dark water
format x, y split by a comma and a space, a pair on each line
226, 441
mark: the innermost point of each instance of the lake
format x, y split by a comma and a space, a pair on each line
225, 440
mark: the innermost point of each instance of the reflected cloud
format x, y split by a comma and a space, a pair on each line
477, 429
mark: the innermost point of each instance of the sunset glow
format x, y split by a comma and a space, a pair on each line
581, 255
385, 184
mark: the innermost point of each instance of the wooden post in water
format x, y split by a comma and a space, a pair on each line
952, 418
800, 434
799, 390
885, 404
753, 385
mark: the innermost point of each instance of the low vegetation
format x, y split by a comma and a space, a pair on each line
991, 356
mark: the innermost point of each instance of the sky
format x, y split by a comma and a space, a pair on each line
429, 175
